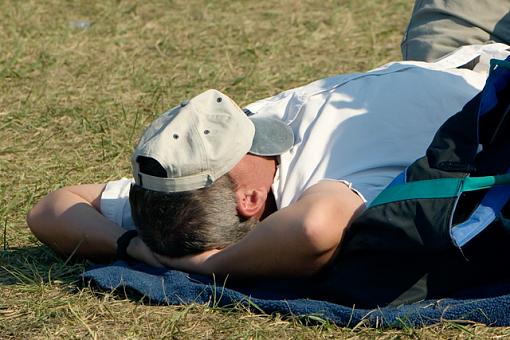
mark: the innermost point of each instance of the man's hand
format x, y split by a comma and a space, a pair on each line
196, 263
138, 250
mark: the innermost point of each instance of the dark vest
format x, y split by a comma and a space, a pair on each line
440, 227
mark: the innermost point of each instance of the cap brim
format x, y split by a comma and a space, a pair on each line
272, 137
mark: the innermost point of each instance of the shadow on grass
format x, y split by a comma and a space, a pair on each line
37, 265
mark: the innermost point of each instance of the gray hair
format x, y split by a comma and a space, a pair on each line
182, 223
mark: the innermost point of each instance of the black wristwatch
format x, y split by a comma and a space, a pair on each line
122, 244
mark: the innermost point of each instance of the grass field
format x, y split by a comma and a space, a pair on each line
80, 79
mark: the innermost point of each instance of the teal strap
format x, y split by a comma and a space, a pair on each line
479, 183
497, 62
438, 188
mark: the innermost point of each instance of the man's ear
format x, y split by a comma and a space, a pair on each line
250, 202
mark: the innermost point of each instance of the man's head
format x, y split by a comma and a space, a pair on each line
203, 171
181, 223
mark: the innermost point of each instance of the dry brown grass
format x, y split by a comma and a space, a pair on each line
73, 101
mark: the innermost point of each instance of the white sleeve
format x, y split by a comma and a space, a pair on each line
349, 184
115, 203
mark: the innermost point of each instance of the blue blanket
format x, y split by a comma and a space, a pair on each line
489, 305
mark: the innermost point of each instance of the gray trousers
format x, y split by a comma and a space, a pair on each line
437, 27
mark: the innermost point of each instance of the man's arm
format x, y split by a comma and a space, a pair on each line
69, 221
297, 240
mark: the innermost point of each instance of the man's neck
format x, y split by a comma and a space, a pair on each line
257, 172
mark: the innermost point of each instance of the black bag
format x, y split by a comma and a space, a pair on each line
439, 227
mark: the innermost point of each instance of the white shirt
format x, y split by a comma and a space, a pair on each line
366, 128
361, 128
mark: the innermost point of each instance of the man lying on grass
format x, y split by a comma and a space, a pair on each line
268, 190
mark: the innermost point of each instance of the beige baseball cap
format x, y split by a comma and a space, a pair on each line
204, 138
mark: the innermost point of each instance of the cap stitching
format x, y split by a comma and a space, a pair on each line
200, 141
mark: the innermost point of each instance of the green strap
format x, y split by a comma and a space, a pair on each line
502, 63
438, 188
479, 183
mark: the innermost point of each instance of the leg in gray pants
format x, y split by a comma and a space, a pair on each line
437, 27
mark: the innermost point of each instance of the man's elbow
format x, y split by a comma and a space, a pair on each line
31, 218
321, 232
34, 217
37, 216
321, 239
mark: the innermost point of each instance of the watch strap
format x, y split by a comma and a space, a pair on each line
122, 244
